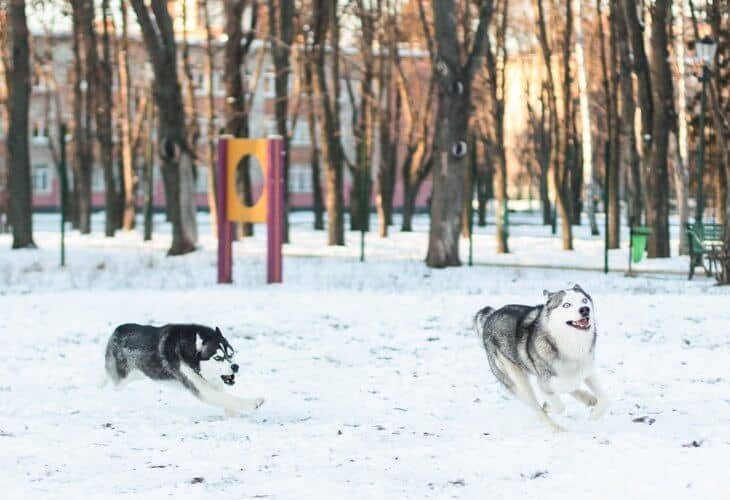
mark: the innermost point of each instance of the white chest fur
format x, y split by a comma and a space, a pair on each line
570, 375
575, 359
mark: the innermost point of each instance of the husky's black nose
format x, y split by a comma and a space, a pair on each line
585, 311
234, 368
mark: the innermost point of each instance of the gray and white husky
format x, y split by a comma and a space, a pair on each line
552, 343
198, 357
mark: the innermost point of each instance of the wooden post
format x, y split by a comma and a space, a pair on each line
275, 210
225, 229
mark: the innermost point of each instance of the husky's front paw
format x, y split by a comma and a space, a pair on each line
554, 406
598, 410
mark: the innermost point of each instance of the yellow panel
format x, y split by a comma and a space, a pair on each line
237, 149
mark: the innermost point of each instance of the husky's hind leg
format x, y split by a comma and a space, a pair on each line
519, 385
584, 397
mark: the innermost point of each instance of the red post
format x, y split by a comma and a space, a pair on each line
275, 212
225, 229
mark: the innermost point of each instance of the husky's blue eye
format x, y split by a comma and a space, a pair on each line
566, 305
218, 358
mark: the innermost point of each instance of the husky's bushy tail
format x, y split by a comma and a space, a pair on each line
479, 319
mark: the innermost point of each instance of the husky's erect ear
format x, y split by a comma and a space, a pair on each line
218, 331
545, 293
553, 298
579, 289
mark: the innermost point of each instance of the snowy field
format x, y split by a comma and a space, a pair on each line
375, 385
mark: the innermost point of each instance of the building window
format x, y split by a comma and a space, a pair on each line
269, 84
41, 178
201, 182
97, 180
39, 133
300, 134
300, 179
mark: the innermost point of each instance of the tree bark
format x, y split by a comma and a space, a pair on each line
628, 113
663, 108
680, 171
85, 66
212, 134
104, 125
610, 82
18, 84
129, 177
314, 156
496, 62
450, 139
586, 131
281, 26
557, 144
327, 20
177, 159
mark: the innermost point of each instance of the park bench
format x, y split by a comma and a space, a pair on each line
703, 238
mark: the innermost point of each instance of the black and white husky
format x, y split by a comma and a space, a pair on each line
554, 343
198, 357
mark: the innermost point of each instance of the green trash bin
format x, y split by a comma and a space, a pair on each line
637, 244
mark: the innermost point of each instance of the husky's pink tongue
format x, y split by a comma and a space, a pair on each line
584, 323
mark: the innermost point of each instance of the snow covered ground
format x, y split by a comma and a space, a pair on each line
375, 385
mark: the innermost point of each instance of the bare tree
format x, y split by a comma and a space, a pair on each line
496, 64
238, 96
663, 122
128, 175
454, 77
306, 70
85, 68
177, 159
104, 109
635, 190
326, 20
609, 67
390, 117
281, 30
585, 116
680, 171
18, 85
560, 135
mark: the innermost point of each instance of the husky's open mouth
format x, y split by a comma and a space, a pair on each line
581, 324
228, 379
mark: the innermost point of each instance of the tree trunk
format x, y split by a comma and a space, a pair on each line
450, 145
236, 107
557, 146
85, 67
212, 133
414, 171
610, 80
281, 27
496, 62
628, 112
390, 124
104, 125
586, 131
18, 84
314, 156
663, 106
177, 159
129, 177
326, 19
